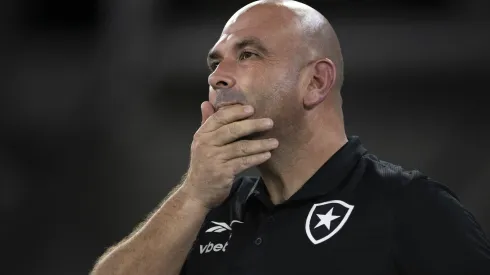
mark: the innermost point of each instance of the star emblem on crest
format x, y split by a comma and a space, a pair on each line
326, 219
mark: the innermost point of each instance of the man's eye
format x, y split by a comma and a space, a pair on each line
213, 65
246, 55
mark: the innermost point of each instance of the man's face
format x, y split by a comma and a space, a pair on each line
255, 62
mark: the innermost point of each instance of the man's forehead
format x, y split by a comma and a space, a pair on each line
236, 37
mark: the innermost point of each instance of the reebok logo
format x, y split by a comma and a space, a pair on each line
221, 226
212, 247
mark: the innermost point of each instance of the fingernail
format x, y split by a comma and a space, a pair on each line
248, 109
274, 142
268, 122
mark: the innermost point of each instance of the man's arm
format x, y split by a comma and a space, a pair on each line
437, 235
161, 244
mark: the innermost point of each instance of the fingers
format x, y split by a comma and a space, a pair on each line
244, 148
207, 110
212, 95
226, 116
238, 129
241, 164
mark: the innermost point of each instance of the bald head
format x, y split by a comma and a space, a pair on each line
313, 35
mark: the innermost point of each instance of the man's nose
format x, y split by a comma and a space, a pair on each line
221, 78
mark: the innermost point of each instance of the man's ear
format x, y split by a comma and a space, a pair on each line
321, 81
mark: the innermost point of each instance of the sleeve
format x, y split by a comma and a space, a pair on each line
435, 234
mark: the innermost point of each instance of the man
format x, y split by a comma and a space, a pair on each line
322, 205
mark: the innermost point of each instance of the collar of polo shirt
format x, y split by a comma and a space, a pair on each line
336, 170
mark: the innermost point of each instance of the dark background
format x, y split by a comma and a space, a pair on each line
99, 101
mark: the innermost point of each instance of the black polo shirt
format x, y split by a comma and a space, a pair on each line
356, 215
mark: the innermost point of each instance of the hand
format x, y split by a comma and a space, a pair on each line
216, 155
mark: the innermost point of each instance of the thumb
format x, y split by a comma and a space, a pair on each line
207, 110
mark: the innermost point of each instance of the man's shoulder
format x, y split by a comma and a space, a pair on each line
403, 183
423, 214
379, 170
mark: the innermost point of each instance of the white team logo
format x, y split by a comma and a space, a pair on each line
221, 226
326, 219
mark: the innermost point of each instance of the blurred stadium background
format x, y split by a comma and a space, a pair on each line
99, 101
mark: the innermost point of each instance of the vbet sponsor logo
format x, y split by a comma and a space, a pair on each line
219, 228
212, 247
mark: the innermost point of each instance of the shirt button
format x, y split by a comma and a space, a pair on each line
258, 241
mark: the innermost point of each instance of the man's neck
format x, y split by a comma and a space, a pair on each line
293, 163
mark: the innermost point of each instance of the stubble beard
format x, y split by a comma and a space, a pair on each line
279, 105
